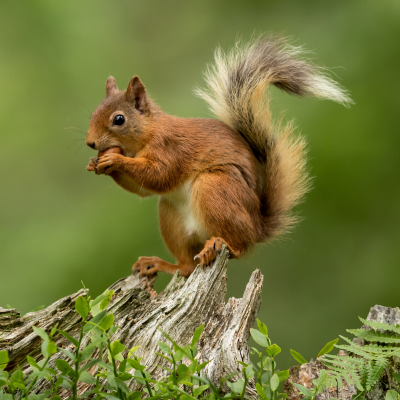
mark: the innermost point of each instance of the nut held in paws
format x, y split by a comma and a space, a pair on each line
115, 150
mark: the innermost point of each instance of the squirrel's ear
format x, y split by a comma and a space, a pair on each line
136, 93
111, 86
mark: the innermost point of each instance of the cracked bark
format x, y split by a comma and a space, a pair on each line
139, 313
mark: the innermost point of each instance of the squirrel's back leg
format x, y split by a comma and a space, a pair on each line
229, 210
182, 246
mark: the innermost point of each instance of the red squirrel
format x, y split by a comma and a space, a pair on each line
232, 181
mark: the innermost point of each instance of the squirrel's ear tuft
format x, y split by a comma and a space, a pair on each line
111, 86
136, 94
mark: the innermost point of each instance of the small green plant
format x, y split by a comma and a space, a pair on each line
320, 384
359, 365
325, 350
95, 359
106, 365
363, 365
265, 373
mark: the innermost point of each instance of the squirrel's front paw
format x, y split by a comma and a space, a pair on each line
92, 164
146, 266
108, 163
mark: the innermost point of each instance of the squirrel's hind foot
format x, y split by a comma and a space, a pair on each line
212, 247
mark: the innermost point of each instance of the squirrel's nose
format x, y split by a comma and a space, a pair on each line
91, 144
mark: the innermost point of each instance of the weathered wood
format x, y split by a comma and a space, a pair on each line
139, 313
305, 373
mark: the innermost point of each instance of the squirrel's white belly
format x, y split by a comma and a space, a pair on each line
181, 198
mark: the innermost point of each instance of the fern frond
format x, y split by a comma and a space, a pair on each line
356, 349
363, 371
356, 380
381, 325
375, 373
344, 361
372, 336
345, 367
334, 379
363, 365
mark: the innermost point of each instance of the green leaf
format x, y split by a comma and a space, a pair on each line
197, 334
69, 337
106, 301
87, 352
134, 396
179, 354
139, 378
112, 330
81, 306
283, 375
274, 382
237, 386
303, 389
135, 364
85, 377
202, 365
182, 369
273, 350
67, 353
43, 347
4, 359
3, 378
116, 348
262, 327
259, 338
164, 347
266, 377
328, 347
391, 395
396, 376
195, 350
107, 322
298, 357
108, 396
66, 384
198, 391
249, 371
96, 320
133, 350
51, 348
40, 332
323, 376
90, 364
63, 366
260, 390
99, 299
17, 380
125, 376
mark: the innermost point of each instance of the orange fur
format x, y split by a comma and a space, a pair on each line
233, 182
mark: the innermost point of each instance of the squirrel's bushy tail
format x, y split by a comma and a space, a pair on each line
236, 95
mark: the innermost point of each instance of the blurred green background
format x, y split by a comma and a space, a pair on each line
60, 224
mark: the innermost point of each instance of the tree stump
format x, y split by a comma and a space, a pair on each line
139, 314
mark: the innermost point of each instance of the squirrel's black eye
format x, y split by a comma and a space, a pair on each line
119, 120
